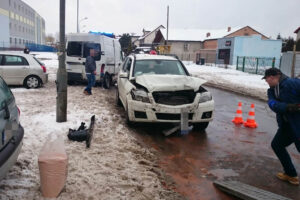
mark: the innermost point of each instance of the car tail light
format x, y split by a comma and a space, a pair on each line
44, 68
19, 111
102, 69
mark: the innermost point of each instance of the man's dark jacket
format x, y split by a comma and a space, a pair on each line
287, 92
90, 65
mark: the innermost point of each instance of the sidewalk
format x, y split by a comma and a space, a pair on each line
231, 79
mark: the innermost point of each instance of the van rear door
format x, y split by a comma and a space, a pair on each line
74, 59
118, 56
77, 51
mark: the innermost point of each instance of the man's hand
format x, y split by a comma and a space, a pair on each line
293, 108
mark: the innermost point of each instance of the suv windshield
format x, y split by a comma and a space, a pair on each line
82, 49
172, 67
5, 94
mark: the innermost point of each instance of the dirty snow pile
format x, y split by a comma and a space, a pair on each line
117, 166
231, 79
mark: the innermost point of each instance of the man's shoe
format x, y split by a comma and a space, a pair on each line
85, 92
290, 179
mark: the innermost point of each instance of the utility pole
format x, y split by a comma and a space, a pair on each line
167, 26
61, 80
77, 16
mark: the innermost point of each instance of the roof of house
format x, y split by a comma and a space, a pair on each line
196, 34
247, 27
297, 30
159, 27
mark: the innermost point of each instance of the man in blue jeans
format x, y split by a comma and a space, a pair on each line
284, 100
90, 70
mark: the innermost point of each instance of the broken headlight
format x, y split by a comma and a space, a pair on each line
205, 96
140, 95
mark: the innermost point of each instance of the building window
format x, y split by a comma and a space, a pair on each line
19, 28
16, 40
23, 41
186, 46
9, 25
19, 8
10, 40
9, 2
23, 29
15, 6
20, 41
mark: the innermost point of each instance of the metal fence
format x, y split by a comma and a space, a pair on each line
254, 65
31, 46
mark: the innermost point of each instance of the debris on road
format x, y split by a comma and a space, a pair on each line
171, 131
246, 192
83, 134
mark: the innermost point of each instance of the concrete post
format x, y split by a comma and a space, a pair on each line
61, 80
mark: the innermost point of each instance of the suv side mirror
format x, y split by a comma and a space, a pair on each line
102, 53
123, 75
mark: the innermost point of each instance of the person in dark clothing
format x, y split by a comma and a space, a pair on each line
90, 70
284, 100
26, 50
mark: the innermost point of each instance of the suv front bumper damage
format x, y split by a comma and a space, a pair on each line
147, 112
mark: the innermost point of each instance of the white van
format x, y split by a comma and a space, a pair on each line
108, 56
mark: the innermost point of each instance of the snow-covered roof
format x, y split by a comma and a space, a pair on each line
196, 34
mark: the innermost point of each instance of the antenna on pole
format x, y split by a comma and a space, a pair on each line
167, 26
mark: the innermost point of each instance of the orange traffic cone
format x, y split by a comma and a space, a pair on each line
239, 115
251, 118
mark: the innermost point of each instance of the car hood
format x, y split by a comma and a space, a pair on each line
169, 82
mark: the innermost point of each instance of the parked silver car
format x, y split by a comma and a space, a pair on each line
10, 129
17, 68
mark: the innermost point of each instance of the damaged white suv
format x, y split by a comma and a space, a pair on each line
155, 88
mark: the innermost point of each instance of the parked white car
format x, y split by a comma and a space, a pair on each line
17, 68
155, 88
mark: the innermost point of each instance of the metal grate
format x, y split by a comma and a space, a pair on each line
247, 192
174, 98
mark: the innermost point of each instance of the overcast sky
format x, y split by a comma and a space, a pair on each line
269, 17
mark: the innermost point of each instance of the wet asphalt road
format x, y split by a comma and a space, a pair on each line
223, 152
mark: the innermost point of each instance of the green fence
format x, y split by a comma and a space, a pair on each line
254, 65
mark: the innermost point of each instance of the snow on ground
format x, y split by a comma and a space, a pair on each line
117, 166
231, 79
